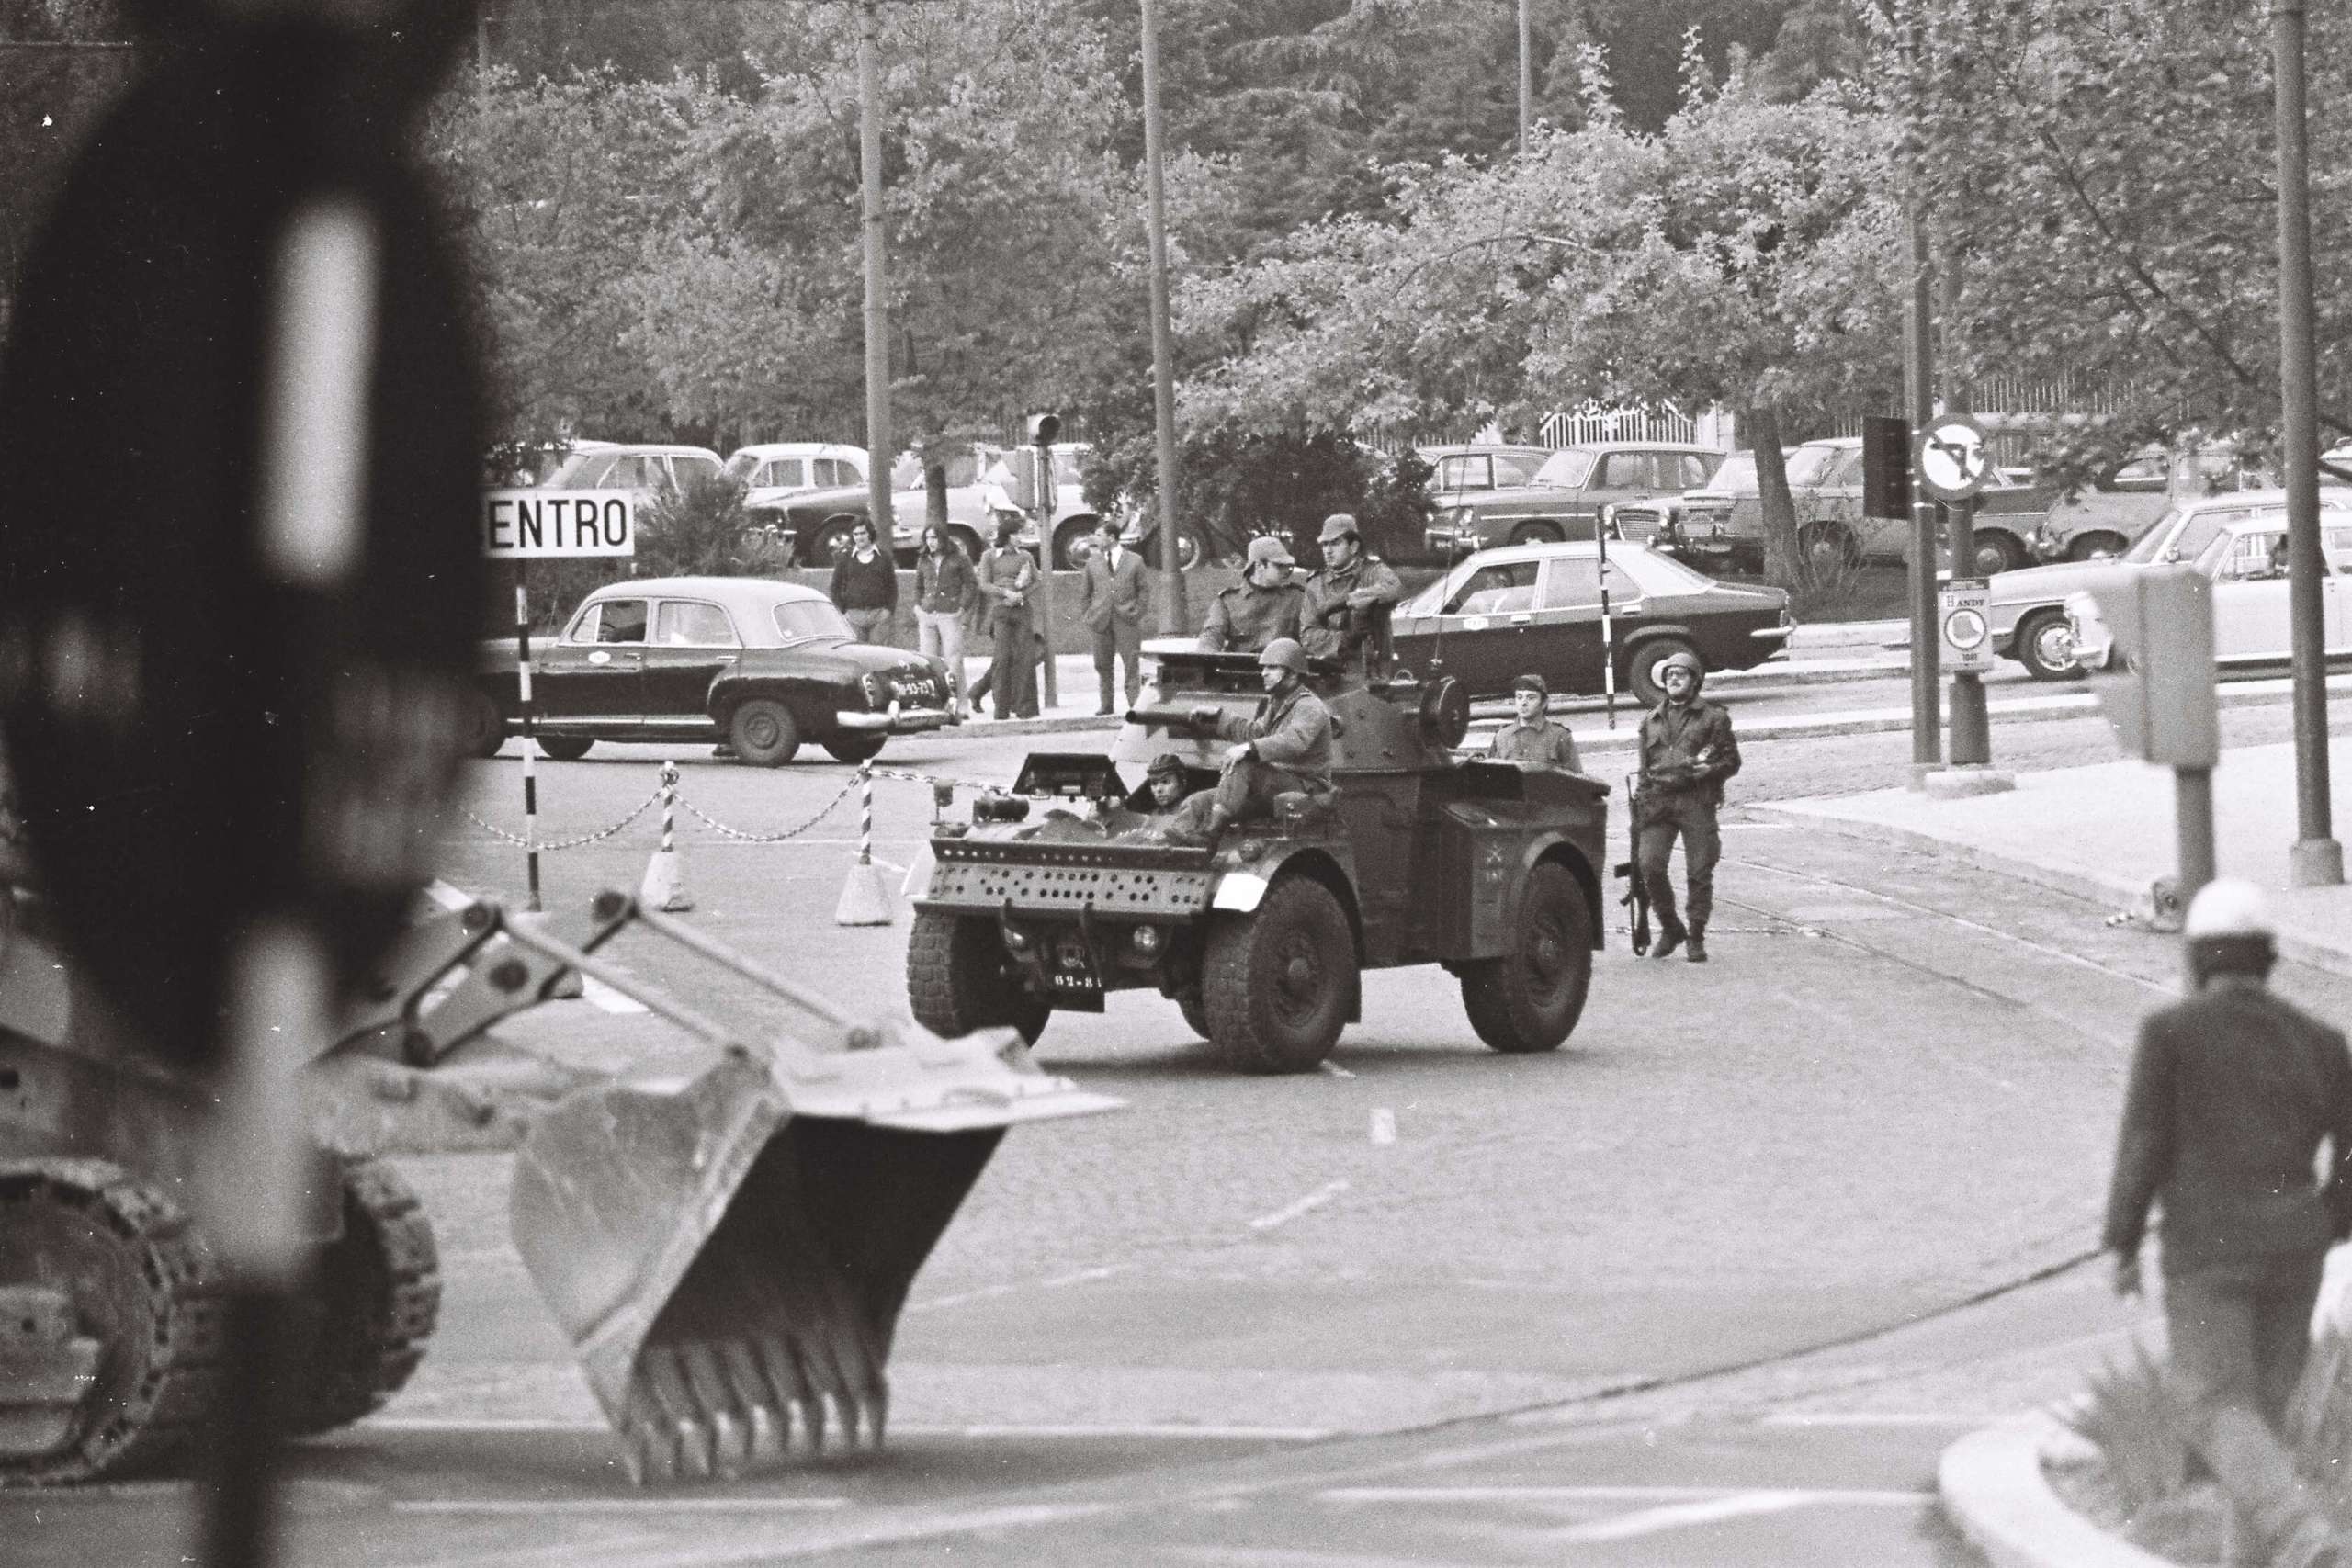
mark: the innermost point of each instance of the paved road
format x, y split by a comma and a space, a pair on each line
1691, 1290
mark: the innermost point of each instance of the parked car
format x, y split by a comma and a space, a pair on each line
774, 472
2028, 607
1537, 608
762, 665
1695, 525
1826, 483
2246, 563
652, 469
977, 494
2102, 521
1457, 474
1564, 498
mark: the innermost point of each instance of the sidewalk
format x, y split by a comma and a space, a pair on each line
2107, 832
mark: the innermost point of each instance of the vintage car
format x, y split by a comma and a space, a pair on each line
761, 665
2246, 563
1826, 482
774, 472
1504, 613
1565, 499
650, 469
2028, 607
978, 497
1695, 525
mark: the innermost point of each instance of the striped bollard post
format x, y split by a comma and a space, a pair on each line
865, 901
665, 887
530, 750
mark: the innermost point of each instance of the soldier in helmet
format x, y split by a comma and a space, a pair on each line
1530, 737
2231, 1095
1688, 751
1344, 599
1263, 606
1283, 747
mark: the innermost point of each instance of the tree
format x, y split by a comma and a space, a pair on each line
2102, 174
1749, 255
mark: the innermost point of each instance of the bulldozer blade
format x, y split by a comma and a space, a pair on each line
730, 1256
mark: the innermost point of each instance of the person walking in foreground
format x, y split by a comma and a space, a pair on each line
1688, 751
2231, 1093
944, 583
1007, 576
866, 585
1111, 605
1264, 605
1530, 737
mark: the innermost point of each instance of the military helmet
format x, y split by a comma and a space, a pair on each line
1269, 547
1166, 762
1683, 658
2228, 931
1285, 652
1339, 526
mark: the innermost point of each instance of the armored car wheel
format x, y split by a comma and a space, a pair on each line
1276, 982
113, 1325
378, 1299
960, 978
1529, 1000
1195, 1011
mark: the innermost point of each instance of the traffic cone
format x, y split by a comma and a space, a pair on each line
665, 887
865, 901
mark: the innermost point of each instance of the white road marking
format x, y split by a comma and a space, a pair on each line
663, 1505
1336, 1070
989, 1293
1138, 1429
1868, 1418
1738, 1505
1659, 1495
606, 998
890, 865
1307, 1205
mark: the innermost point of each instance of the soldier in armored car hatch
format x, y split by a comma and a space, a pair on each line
1530, 737
1345, 599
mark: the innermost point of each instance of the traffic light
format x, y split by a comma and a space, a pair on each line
1030, 473
2157, 687
1044, 429
1886, 468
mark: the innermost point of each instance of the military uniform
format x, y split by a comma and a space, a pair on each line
1688, 751
1542, 744
1244, 619
1333, 626
1290, 749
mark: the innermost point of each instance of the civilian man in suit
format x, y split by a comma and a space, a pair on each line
1111, 602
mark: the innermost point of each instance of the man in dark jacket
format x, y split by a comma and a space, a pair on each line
1264, 605
1688, 751
866, 585
2231, 1093
1111, 602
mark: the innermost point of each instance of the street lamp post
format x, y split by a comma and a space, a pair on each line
2316, 859
1173, 616
1526, 77
877, 305
1926, 698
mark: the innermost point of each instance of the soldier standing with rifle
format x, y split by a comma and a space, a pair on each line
1688, 751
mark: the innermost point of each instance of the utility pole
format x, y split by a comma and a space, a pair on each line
1526, 77
1175, 618
1972, 738
879, 450
1918, 373
2316, 859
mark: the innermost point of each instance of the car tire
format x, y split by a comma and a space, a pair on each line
968, 542
2045, 646
827, 545
1832, 539
1195, 1011
1188, 551
1641, 667
1537, 534
762, 733
1529, 1000
959, 978
2095, 547
1073, 543
485, 726
1276, 982
854, 749
562, 748
1996, 553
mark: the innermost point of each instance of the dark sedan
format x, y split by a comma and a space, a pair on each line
760, 664
1504, 613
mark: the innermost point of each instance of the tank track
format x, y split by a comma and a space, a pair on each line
161, 1373
378, 1298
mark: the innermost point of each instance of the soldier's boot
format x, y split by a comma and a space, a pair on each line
1670, 935
1697, 950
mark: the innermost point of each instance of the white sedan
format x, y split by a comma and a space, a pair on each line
2246, 563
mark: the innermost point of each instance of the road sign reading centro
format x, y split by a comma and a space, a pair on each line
1966, 624
526, 524
1951, 458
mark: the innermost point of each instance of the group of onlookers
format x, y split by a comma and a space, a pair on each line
998, 589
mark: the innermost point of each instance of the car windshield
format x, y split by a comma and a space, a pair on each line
1809, 463
1565, 469
2144, 548
799, 619
740, 466
1656, 574
1738, 475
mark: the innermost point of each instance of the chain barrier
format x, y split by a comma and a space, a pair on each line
740, 837
520, 842
667, 795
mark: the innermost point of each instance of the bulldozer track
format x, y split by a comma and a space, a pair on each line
161, 1375
380, 1297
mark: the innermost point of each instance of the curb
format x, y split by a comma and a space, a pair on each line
1992, 1486
2083, 884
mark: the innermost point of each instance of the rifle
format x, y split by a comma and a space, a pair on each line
1637, 892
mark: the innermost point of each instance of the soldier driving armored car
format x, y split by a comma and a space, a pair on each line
1263, 606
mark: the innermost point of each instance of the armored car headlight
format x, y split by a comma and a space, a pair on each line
1146, 938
